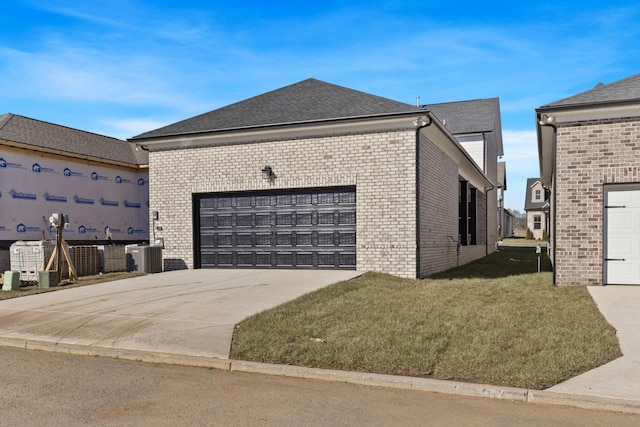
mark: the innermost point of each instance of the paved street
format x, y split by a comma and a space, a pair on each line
55, 389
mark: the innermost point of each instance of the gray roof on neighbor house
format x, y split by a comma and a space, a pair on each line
473, 116
61, 139
624, 90
308, 101
502, 175
528, 203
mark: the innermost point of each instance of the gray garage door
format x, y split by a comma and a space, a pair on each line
288, 229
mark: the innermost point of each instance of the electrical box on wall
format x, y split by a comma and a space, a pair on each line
154, 215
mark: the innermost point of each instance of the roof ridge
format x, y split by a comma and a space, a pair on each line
4, 119
69, 128
592, 96
307, 101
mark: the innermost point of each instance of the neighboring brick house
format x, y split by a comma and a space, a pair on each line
536, 205
315, 175
588, 146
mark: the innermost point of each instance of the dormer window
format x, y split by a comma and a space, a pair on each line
538, 195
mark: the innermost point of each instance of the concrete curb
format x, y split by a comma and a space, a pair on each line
367, 379
119, 353
379, 380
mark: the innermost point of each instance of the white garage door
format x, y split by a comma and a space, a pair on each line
622, 235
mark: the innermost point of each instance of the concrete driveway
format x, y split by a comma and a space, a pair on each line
186, 312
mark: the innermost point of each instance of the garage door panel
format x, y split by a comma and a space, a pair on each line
621, 219
622, 235
619, 247
299, 228
620, 197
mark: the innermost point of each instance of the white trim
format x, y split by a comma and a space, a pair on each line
275, 133
601, 112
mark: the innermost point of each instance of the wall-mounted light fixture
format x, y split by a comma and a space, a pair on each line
546, 120
267, 173
421, 122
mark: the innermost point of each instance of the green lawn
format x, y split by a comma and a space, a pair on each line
495, 321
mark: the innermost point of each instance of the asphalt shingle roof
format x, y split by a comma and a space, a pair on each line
627, 89
50, 136
472, 116
308, 101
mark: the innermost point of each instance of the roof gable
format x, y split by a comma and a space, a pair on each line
627, 89
529, 204
52, 137
474, 116
308, 101
469, 117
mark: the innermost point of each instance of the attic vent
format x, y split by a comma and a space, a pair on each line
599, 85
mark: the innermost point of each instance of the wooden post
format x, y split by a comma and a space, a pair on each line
58, 251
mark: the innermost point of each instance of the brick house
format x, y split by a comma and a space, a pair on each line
588, 146
536, 205
315, 175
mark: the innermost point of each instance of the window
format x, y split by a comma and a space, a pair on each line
538, 194
467, 213
537, 222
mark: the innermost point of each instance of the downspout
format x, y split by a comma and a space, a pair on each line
555, 210
550, 121
420, 123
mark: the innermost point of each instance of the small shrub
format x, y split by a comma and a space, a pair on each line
544, 235
529, 234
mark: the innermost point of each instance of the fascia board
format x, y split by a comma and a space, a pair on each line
279, 133
592, 112
70, 155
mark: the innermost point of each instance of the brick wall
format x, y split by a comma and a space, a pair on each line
589, 155
439, 214
438, 194
380, 165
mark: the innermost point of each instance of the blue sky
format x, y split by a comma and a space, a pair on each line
120, 68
